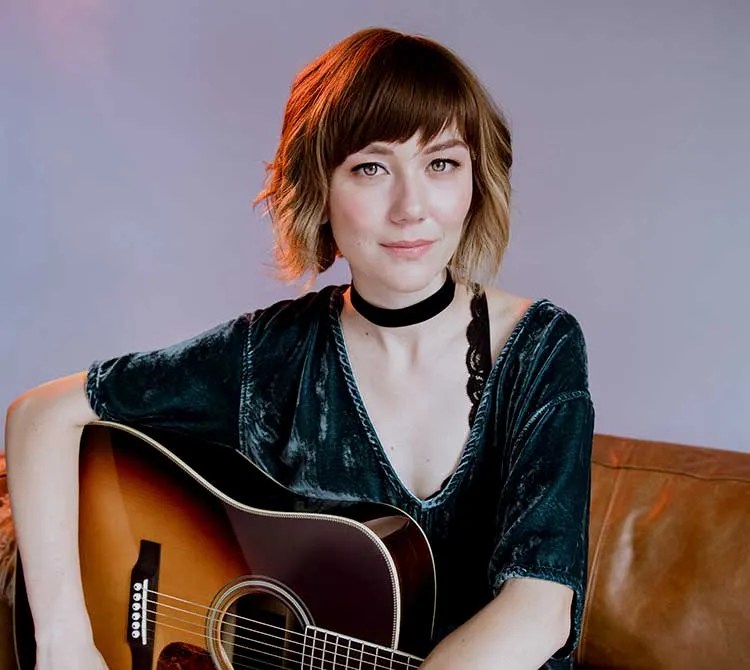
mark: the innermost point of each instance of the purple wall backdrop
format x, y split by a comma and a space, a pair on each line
133, 135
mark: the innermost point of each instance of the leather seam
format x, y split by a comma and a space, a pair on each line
668, 471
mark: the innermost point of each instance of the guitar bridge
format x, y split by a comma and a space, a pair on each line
144, 580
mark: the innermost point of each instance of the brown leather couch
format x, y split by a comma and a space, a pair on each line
669, 559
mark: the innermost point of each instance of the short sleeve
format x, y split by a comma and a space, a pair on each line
192, 386
543, 514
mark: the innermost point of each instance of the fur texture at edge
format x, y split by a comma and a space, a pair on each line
7, 540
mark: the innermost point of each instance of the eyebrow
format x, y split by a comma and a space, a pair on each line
433, 148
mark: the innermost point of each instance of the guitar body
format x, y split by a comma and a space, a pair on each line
180, 570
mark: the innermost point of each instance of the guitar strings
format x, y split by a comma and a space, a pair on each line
305, 657
326, 651
327, 645
409, 660
235, 625
236, 637
203, 652
302, 642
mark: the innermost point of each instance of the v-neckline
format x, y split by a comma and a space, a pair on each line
451, 482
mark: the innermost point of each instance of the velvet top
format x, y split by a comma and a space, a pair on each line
277, 385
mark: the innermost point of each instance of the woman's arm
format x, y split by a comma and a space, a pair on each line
42, 436
192, 386
527, 622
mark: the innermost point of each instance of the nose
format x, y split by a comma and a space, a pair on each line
408, 204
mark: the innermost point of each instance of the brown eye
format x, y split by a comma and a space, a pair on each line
367, 169
441, 164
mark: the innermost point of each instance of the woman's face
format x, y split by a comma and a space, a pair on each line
397, 215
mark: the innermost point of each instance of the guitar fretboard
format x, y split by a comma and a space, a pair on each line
326, 650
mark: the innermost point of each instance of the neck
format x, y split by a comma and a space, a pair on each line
415, 342
377, 295
421, 310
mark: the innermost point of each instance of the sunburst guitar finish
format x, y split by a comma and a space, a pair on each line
192, 557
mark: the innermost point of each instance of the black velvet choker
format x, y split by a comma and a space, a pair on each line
406, 316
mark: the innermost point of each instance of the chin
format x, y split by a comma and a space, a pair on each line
408, 278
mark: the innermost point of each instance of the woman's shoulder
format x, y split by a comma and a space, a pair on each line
536, 342
298, 312
510, 315
287, 332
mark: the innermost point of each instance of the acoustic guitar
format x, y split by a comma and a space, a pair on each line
194, 558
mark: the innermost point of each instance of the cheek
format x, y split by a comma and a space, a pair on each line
349, 217
353, 210
454, 201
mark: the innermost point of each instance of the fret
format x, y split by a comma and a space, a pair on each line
356, 662
373, 656
312, 647
399, 660
326, 653
330, 649
325, 650
317, 649
307, 650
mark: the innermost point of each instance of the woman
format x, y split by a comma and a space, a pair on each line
418, 385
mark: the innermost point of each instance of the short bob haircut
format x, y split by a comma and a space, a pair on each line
383, 85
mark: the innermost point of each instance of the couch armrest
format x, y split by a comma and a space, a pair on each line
669, 575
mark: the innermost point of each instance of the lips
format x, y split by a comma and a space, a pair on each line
408, 250
407, 244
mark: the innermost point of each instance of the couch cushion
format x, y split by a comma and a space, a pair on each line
669, 575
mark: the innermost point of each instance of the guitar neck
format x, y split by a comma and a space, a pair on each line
325, 649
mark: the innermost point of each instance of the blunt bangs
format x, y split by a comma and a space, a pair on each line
404, 85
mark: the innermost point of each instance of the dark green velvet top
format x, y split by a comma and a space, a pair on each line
277, 385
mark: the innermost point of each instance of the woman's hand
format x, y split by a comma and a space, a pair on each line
70, 657
68, 644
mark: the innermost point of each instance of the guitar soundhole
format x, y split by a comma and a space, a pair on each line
257, 623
